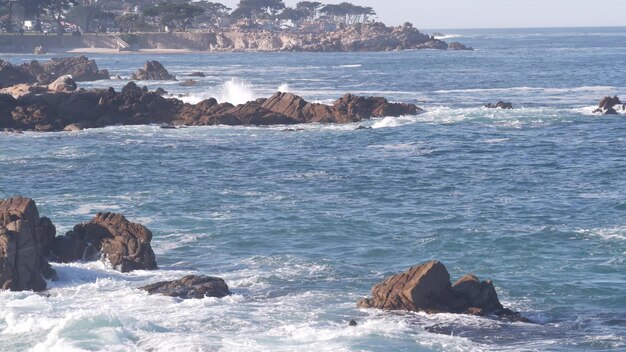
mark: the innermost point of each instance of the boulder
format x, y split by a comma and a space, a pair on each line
125, 245
458, 46
427, 288
153, 70
607, 105
190, 286
63, 84
500, 105
24, 241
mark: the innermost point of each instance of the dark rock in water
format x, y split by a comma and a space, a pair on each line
124, 244
458, 46
24, 240
188, 83
153, 70
80, 68
607, 105
160, 91
364, 128
135, 106
352, 323
500, 105
191, 286
196, 74
169, 127
427, 288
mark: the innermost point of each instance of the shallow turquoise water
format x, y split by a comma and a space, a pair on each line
302, 224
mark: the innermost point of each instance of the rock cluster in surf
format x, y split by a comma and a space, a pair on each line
191, 286
427, 288
610, 105
134, 106
153, 70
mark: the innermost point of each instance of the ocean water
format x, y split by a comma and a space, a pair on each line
301, 224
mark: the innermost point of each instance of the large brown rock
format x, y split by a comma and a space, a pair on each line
24, 240
427, 288
63, 84
124, 244
79, 67
190, 287
153, 70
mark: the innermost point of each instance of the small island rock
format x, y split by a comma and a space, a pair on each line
153, 70
190, 286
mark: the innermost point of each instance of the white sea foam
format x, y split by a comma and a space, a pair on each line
284, 88
234, 91
609, 234
448, 36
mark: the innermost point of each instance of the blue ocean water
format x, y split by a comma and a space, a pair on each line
302, 223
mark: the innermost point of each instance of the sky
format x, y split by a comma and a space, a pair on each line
448, 14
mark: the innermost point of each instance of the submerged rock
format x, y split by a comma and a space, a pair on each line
24, 240
188, 83
124, 244
196, 74
191, 286
427, 288
500, 105
153, 70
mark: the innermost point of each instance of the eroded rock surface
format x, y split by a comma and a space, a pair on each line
136, 106
610, 105
124, 244
153, 70
191, 286
427, 288
24, 240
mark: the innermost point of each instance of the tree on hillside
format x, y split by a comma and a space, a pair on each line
214, 12
311, 8
295, 15
347, 13
132, 22
174, 15
36, 9
258, 8
56, 9
6, 14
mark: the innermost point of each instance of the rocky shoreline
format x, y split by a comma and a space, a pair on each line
28, 243
360, 37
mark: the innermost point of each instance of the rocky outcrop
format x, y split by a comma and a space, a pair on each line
153, 70
607, 106
427, 288
500, 105
134, 106
80, 68
124, 244
190, 287
188, 83
358, 37
63, 84
24, 241
196, 74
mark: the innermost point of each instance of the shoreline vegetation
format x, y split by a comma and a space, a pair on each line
39, 26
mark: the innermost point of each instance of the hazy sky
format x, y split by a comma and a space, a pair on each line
434, 14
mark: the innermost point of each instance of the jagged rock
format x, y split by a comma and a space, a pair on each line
11, 75
63, 84
24, 240
80, 68
500, 105
427, 288
134, 105
153, 70
161, 91
124, 244
607, 105
188, 83
190, 286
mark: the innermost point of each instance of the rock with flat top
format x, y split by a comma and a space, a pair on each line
191, 286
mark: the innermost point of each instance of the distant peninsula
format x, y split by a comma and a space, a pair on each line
255, 25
